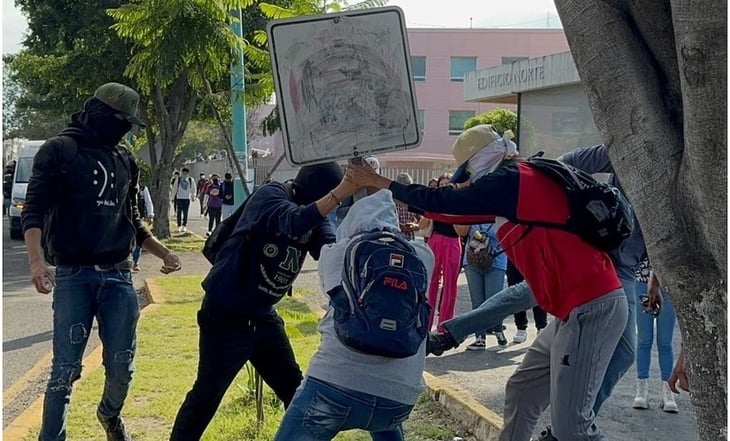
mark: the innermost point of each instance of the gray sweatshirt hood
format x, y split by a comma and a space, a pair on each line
376, 211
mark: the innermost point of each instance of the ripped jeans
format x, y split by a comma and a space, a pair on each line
81, 294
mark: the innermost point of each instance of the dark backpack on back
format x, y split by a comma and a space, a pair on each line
381, 307
599, 212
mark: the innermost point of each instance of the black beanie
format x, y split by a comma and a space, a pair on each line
315, 181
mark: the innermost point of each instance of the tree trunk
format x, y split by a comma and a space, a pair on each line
173, 110
655, 77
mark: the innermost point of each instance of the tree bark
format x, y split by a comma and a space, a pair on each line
655, 77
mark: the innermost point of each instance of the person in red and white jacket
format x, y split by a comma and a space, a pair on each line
570, 279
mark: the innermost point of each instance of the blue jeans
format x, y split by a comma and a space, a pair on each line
183, 206
519, 297
483, 284
81, 294
321, 410
645, 336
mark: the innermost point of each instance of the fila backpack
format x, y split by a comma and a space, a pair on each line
381, 307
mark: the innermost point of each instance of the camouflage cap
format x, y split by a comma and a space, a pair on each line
122, 99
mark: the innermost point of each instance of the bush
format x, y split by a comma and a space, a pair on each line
501, 119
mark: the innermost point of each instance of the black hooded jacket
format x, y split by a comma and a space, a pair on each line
84, 197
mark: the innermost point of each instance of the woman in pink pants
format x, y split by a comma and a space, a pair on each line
446, 247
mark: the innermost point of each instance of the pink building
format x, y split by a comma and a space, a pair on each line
439, 60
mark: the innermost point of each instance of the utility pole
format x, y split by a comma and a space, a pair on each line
238, 112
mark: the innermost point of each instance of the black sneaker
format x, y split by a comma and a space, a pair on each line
501, 339
547, 435
438, 342
114, 427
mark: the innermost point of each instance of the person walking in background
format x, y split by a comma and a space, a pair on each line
8, 185
227, 193
514, 276
214, 203
147, 213
407, 220
173, 191
94, 225
202, 180
446, 247
369, 392
484, 266
184, 190
647, 288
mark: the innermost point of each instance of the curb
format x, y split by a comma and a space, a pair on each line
481, 421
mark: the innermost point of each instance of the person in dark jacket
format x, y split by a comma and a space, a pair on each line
279, 226
88, 185
8, 185
571, 279
227, 193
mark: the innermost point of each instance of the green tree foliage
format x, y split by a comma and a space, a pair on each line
69, 51
501, 119
180, 51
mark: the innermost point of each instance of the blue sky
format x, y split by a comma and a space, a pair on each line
419, 13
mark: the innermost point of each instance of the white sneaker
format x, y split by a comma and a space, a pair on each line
184, 229
179, 229
668, 403
641, 401
208, 233
520, 336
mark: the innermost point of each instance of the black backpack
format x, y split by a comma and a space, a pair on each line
224, 231
599, 212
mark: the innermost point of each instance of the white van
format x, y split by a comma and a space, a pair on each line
23, 169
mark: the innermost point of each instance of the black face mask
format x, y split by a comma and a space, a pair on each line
101, 120
114, 130
215, 181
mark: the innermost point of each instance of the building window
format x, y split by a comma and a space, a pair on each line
422, 120
418, 66
462, 65
457, 118
510, 60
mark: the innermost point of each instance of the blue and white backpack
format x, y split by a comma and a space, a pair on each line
381, 307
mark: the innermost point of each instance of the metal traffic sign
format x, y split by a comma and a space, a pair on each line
343, 84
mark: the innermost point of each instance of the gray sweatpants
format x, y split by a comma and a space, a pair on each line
564, 368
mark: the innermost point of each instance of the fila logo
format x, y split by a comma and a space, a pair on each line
395, 283
396, 260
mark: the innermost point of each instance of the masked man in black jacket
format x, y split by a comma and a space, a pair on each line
82, 201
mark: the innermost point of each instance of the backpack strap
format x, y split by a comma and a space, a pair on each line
69, 151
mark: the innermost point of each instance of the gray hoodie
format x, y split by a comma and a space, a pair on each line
397, 379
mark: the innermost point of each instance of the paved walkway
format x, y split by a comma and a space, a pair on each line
483, 374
